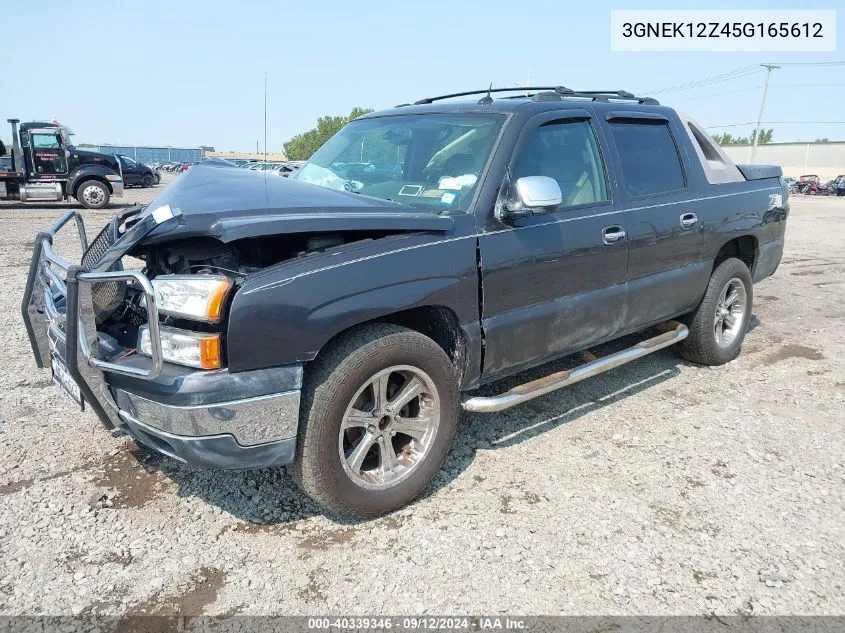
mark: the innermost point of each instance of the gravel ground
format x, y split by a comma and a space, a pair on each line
659, 488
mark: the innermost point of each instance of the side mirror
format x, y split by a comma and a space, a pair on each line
531, 195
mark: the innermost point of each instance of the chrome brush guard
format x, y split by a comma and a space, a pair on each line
58, 310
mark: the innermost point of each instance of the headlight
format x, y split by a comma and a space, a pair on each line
197, 297
194, 349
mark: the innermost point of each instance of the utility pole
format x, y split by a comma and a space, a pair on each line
265, 116
769, 68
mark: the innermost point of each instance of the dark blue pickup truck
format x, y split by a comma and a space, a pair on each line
339, 320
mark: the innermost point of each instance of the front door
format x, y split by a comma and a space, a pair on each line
48, 154
554, 283
131, 170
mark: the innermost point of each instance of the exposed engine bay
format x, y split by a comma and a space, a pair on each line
243, 257
125, 311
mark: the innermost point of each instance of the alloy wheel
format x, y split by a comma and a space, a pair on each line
730, 312
389, 427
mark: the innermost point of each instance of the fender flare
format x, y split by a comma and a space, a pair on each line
88, 172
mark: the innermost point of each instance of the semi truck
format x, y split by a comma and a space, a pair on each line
45, 167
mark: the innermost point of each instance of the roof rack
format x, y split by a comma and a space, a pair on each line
545, 93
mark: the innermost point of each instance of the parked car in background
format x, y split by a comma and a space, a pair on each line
137, 174
285, 170
837, 185
290, 321
241, 162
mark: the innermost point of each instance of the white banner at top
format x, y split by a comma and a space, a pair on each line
723, 30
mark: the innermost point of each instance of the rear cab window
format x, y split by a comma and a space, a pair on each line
648, 156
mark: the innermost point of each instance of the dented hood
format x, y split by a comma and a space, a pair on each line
230, 203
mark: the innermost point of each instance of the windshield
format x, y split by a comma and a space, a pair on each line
430, 161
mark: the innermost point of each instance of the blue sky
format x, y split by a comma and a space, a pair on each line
188, 73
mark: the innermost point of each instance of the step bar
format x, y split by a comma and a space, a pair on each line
673, 332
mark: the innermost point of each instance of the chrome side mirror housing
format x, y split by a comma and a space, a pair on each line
530, 195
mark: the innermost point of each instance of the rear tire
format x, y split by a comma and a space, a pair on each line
717, 327
353, 455
92, 194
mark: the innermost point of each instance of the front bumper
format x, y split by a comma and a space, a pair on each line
212, 419
212, 451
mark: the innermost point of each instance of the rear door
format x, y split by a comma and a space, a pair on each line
665, 232
554, 283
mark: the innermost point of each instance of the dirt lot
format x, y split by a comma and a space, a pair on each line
659, 488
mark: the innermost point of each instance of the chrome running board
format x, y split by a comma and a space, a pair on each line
674, 332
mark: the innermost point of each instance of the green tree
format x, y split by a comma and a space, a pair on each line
822, 140
302, 146
726, 138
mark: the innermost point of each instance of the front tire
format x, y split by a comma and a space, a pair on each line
92, 194
147, 181
379, 413
717, 327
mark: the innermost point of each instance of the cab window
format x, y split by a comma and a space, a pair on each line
649, 157
46, 141
568, 152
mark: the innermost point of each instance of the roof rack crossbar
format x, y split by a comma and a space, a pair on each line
596, 95
479, 92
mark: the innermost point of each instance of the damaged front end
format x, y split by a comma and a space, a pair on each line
115, 340
139, 330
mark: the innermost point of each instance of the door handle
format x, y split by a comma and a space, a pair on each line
688, 220
612, 234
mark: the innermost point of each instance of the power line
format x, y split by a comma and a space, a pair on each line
710, 127
729, 76
739, 73
713, 127
803, 85
808, 64
755, 88
720, 94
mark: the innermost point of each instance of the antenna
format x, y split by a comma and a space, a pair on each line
265, 117
487, 99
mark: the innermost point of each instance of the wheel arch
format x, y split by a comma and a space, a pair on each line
81, 175
437, 322
746, 248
